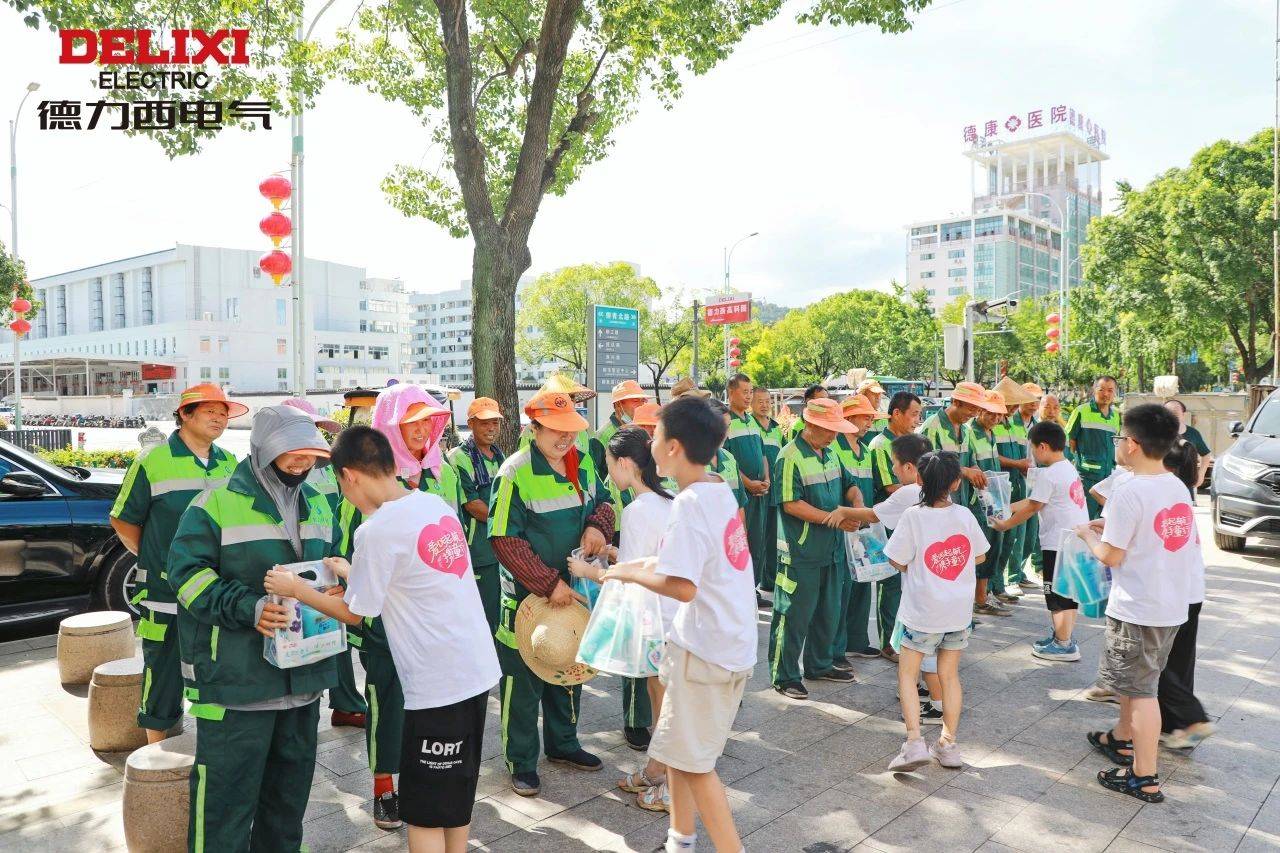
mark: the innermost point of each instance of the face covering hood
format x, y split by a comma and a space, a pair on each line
390, 410
277, 430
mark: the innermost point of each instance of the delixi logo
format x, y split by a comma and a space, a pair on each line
134, 47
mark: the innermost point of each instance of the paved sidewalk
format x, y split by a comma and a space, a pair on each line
807, 776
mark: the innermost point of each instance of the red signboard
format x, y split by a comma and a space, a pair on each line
724, 313
158, 371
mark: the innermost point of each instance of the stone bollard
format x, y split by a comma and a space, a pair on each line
114, 696
88, 639
157, 795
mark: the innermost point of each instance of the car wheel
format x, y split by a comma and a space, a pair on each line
118, 583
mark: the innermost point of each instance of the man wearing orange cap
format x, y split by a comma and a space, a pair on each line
874, 392
746, 444
980, 441
477, 461
157, 489
548, 499
855, 598
945, 431
806, 598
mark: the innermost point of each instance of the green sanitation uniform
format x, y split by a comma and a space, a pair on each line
1011, 443
255, 723
346, 696
855, 597
745, 443
888, 591
384, 725
806, 596
599, 443
984, 454
158, 487
1095, 451
534, 503
483, 561
726, 468
771, 435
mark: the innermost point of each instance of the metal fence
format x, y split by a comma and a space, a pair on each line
44, 439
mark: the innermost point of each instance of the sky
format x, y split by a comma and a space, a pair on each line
827, 141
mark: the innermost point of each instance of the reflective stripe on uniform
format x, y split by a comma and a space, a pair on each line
148, 629
253, 533
373, 725
162, 607
195, 585
188, 671
213, 642
198, 841
541, 505
187, 484
208, 711
505, 636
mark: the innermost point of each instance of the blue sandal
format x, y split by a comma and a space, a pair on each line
1122, 779
1111, 747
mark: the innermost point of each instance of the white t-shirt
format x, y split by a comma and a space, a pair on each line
644, 520
1108, 485
1151, 518
1058, 487
890, 510
706, 542
938, 547
412, 567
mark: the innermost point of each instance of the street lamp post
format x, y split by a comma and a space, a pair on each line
13, 247
728, 260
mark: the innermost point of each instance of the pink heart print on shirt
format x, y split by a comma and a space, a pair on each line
735, 544
443, 547
947, 558
1077, 493
1175, 526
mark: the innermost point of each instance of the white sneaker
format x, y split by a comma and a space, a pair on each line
913, 755
948, 755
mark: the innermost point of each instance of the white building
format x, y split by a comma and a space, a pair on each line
1046, 169
162, 321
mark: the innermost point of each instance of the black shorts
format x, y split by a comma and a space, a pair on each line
440, 763
1056, 603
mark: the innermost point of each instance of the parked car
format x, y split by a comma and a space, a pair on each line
58, 553
1245, 492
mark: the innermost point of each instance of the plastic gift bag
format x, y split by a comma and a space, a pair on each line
587, 588
311, 636
1080, 576
996, 498
864, 549
624, 634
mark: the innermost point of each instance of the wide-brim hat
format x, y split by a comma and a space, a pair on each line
646, 415
555, 410
559, 383
1013, 393
627, 389
207, 392
870, 385
969, 392
548, 638
303, 405
825, 412
994, 402
687, 386
857, 404
1033, 389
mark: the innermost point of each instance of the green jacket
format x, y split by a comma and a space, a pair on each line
771, 435
944, 435
157, 489
746, 444
1095, 452
1011, 443
727, 468
881, 449
820, 481
226, 542
599, 443
477, 531
856, 459
325, 481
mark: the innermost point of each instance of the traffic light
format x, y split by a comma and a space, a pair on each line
1053, 332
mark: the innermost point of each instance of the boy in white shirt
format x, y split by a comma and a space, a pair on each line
1149, 541
412, 567
705, 564
1057, 494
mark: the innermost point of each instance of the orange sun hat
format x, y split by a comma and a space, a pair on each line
825, 412
555, 410
207, 392
484, 409
857, 404
646, 415
627, 389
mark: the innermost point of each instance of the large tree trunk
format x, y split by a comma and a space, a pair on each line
496, 267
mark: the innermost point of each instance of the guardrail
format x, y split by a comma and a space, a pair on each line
44, 439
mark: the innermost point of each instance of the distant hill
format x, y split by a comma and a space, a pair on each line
767, 312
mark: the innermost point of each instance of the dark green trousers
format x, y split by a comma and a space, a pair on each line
346, 696
637, 710
853, 634
771, 548
888, 597
490, 593
523, 694
1031, 545
161, 705
806, 613
757, 513
251, 779
1095, 508
1013, 550
384, 726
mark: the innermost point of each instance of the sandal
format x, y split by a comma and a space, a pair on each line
638, 783
1122, 779
1111, 747
655, 799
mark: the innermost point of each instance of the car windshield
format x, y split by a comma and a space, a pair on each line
1267, 420
31, 461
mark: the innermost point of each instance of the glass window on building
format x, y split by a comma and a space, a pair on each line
117, 301
928, 256
1056, 241
987, 226
95, 305
958, 272
1026, 255
956, 231
60, 308
280, 312
146, 315
206, 373
224, 373
281, 346
282, 373
924, 229
927, 274
957, 291
955, 253
204, 345
1025, 229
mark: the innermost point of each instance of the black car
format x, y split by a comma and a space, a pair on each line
58, 553
1246, 481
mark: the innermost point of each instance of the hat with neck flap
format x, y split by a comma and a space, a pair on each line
404, 403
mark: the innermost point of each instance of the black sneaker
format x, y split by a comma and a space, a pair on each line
762, 603
386, 811
868, 652
922, 691
792, 690
581, 759
929, 715
842, 666
526, 784
840, 675
637, 737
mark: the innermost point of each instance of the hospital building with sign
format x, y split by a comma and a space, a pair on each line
1031, 174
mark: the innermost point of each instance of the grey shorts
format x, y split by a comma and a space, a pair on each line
1133, 657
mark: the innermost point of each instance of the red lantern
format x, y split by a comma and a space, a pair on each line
1052, 346
733, 342
276, 188
733, 362
275, 264
734, 352
20, 306
1053, 319
1054, 333
276, 225
20, 326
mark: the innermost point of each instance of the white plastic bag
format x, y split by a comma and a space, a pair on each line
624, 634
311, 636
864, 548
996, 498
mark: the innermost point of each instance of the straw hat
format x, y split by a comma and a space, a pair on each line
548, 638
628, 389
687, 386
1015, 394
556, 411
870, 385
559, 383
825, 412
1033, 389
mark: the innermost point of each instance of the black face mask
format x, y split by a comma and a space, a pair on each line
291, 481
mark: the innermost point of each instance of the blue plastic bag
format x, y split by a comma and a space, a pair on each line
1080, 576
624, 635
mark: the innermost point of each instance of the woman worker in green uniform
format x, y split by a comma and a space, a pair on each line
548, 499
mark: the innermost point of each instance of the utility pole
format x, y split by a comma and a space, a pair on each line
693, 363
1275, 217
